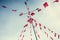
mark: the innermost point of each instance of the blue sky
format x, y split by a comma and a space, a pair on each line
11, 23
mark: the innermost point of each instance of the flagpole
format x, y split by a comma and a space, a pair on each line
34, 31
32, 21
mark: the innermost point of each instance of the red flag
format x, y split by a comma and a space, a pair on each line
39, 24
44, 27
51, 38
58, 36
56, 1
45, 4
32, 13
21, 14
25, 25
40, 28
20, 35
38, 36
54, 34
46, 33
28, 11
23, 36
35, 24
38, 9
30, 20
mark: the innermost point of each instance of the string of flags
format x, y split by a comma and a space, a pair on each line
32, 20
54, 33
45, 4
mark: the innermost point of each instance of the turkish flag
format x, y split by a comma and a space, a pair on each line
45, 4
56, 1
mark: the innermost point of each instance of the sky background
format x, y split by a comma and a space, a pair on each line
11, 23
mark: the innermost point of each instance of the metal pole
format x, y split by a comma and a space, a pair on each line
34, 31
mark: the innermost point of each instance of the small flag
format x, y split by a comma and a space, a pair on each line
51, 38
40, 24
38, 36
35, 24
25, 25
38, 9
44, 27
30, 20
56, 1
25, 3
58, 36
21, 14
54, 34
14, 10
45, 4
32, 13
26, 0
4, 6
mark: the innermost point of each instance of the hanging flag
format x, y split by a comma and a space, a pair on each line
26, 0
35, 24
28, 16
14, 10
25, 3
30, 20
55, 34
38, 9
4, 6
21, 14
51, 31
38, 36
22, 37
58, 36
32, 14
44, 27
45, 4
46, 34
25, 25
56, 0
51, 38
40, 24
